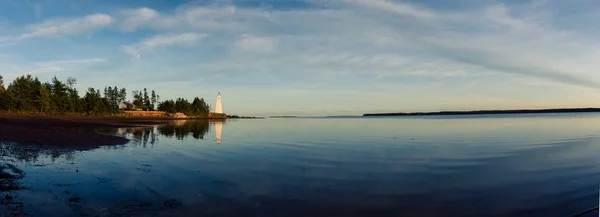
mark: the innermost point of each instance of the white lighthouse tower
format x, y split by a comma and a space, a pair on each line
219, 108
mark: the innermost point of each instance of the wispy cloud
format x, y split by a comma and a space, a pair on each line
395, 7
255, 44
60, 27
52, 67
211, 17
43, 70
74, 61
163, 40
137, 17
131, 51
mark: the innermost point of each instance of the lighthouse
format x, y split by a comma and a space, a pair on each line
219, 108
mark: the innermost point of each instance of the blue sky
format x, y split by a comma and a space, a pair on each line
316, 57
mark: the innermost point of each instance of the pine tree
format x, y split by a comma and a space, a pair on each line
73, 95
153, 99
59, 95
1, 84
45, 98
146, 100
122, 95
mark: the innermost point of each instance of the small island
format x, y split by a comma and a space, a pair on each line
243, 117
490, 112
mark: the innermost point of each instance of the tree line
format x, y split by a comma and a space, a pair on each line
28, 94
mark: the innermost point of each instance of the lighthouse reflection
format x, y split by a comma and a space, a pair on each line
219, 130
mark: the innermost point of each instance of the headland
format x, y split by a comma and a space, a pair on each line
490, 112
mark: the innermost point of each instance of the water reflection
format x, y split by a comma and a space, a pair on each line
329, 167
179, 130
219, 131
34, 153
139, 136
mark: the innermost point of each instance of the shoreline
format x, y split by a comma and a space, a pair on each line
66, 131
490, 112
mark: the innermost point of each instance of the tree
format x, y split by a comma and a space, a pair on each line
91, 100
167, 106
1, 84
73, 96
95, 103
199, 107
147, 104
108, 93
59, 95
183, 106
7, 101
45, 98
115, 95
153, 99
24, 90
71, 82
137, 99
122, 95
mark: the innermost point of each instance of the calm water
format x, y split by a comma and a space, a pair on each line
519, 165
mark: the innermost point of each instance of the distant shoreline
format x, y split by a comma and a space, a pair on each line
490, 112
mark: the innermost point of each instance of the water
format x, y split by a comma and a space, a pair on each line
507, 165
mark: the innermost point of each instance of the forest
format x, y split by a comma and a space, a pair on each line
28, 94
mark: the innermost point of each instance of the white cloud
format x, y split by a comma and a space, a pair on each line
481, 48
426, 42
55, 66
74, 61
68, 26
162, 40
192, 17
172, 39
249, 43
44, 70
131, 51
395, 7
135, 18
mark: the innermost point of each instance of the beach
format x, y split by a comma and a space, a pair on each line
67, 132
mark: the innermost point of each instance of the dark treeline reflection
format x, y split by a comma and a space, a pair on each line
180, 130
183, 128
140, 136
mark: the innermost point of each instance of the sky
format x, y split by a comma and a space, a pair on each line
315, 57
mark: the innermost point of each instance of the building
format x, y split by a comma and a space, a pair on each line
219, 107
126, 106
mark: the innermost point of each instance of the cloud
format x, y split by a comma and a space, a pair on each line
395, 7
172, 39
249, 43
54, 66
481, 46
15, 67
68, 26
44, 70
131, 51
162, 40
137, 17
73, 61
211, 17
